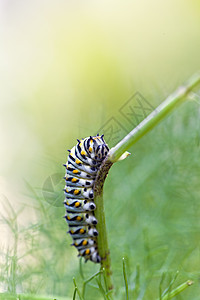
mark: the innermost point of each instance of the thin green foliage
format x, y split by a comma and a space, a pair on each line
11, 267
125, 278
85, 283
160, 285
74, 295
7, 296
99, 277
155, 196
168, 293
101, 289
137, 281
77, 290
81, 268
177, 290
168, 289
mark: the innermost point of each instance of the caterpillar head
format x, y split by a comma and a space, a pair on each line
97, 147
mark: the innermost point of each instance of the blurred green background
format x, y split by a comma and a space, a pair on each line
67, 68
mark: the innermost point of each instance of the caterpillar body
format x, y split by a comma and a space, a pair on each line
83, 163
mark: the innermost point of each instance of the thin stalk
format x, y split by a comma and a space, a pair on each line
168, 289
137, 282
177, 290
87, 281
154, 118
101, 226
76, 289
102, 289
125, 279
160, 285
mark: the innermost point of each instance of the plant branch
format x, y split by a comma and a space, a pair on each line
101, 226
177, 290
154, 118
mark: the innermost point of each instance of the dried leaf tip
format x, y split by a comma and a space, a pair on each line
124, 155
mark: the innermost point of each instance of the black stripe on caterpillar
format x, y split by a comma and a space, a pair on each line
84, 160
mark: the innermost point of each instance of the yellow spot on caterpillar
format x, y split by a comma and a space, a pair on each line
75, 171
78, 218
91, 141
67, 191
90, 149
83, 152
84, 243
78, 162
74, 180
81, 144
75, 244
87, 251
76, 192
71, 231
68, 218
77, 204
81, 230
67, 203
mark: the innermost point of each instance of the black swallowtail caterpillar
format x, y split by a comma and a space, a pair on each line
83, 162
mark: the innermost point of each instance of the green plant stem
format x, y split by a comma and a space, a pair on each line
101, 226
103, 242
87, 281
177, 290
125, 279
76, 290
154, 118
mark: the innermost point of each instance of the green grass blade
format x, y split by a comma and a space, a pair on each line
87, 281
81, 268
125, 278
74, 295
137, 281
101, 289
177, 290
74, 281
168, 289
160, 285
